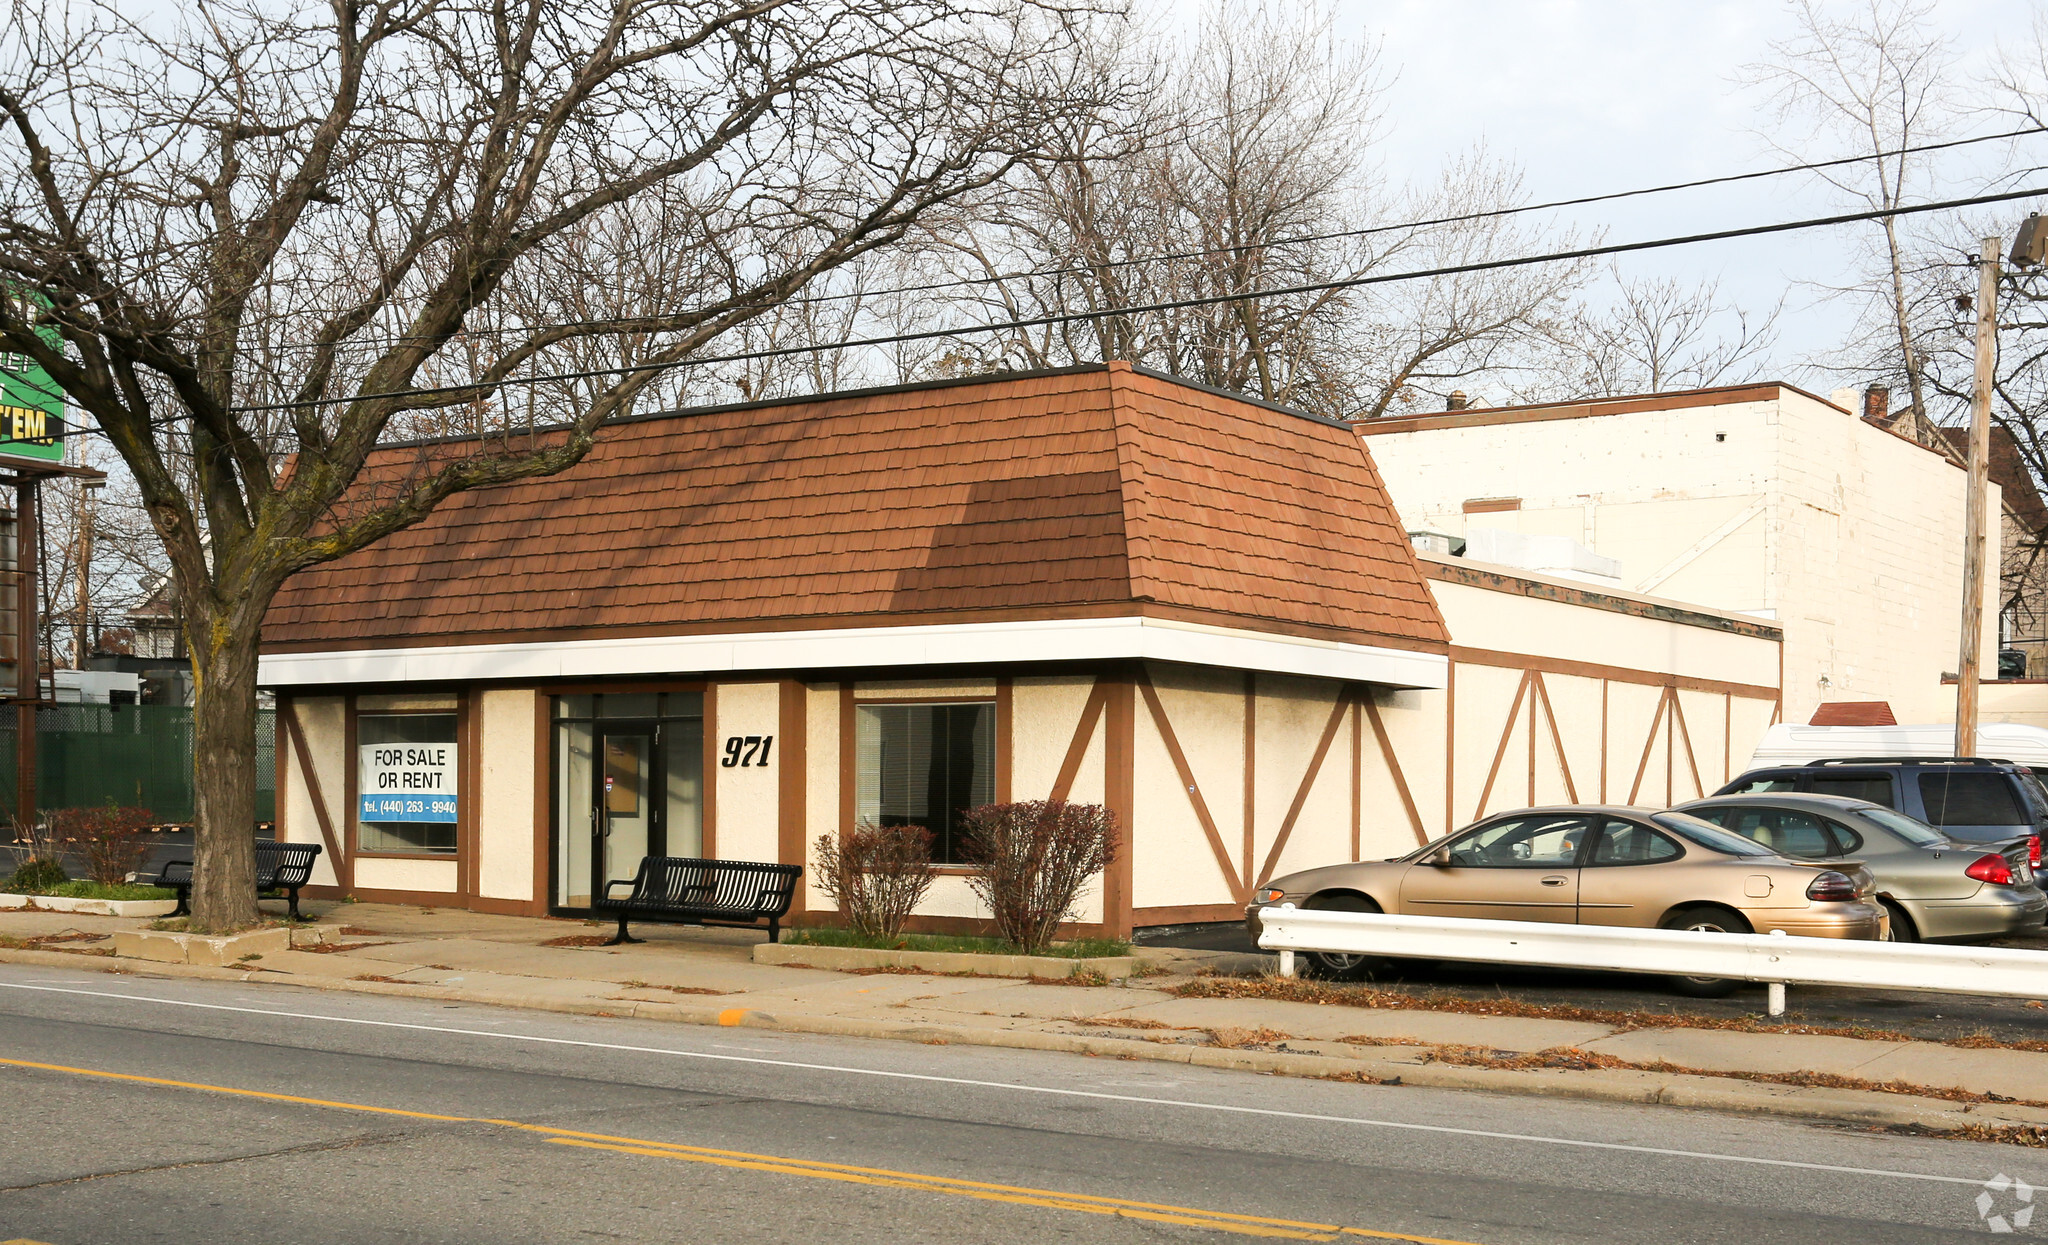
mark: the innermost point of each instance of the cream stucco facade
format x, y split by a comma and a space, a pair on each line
1221, 778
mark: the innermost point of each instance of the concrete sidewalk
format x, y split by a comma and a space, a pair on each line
709, 977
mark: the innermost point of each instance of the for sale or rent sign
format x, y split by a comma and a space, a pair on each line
406, 782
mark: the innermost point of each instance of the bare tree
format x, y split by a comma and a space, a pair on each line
1248, 167
1865, 82
263, 229
1657, 334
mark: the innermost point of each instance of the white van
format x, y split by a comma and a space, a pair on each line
1791, 744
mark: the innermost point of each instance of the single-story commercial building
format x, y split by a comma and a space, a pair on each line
733, 630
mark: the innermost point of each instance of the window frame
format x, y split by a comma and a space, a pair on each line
465, 781
998, 706
1578, 855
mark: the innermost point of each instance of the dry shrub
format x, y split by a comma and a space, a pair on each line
1033, 859
877, 875
110, 838
38, 855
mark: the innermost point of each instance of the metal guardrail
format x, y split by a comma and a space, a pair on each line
1771, 958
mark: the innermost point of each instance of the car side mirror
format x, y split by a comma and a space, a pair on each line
1439, 859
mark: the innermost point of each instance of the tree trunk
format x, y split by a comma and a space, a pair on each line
224, 777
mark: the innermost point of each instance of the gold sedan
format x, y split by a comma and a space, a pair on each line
1594, 865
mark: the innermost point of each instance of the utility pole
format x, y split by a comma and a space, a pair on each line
1974, 517
81, 641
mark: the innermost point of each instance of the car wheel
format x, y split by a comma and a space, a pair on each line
1901, 924
1336, 966
1706, 920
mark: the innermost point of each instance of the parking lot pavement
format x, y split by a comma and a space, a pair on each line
1933, 1017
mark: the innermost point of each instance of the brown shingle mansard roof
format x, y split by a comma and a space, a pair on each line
1090, 492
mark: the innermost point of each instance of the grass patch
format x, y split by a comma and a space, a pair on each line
83, 889
1079, 949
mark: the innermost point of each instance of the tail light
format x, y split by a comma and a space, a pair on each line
2034, 852
1992, 869
1838, 887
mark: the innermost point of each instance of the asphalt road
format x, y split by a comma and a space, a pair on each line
1932, 1017
146, 1110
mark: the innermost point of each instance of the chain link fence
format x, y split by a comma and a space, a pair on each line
137, 755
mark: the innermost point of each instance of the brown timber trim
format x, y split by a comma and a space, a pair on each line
622, 687
1120, 781
1189, 914
1691, 760
708, 835
1005, 696
1357, 771
959, 698
363, 853
1594, 670
1379, 730
1251, 772
289, 711
1590, 598
1564, 766
1492, 505
469, 786
418, 899
1507, 732
1308, 780
1077, 747
792, 773
1649, 746
349, 805
507, 907
543, 798
1727, 737
1239, 887
847, 776
1603, 741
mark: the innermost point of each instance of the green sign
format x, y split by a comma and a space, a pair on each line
31, 405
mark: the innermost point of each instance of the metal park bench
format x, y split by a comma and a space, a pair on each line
279, 867
703, 892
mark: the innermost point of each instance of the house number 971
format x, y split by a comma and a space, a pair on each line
747, 750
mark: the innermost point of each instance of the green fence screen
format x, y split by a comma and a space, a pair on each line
139, 755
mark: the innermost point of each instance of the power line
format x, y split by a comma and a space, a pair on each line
1317, 287
1368, 231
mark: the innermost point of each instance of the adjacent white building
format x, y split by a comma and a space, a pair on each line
1762, 500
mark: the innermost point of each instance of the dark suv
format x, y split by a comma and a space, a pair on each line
1969, 798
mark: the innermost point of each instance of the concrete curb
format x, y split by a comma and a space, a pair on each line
804, 955
1403, 1063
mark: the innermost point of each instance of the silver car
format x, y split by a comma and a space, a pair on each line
1933, 886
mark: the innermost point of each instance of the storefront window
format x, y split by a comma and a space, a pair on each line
921, 765
629, 783
406, 782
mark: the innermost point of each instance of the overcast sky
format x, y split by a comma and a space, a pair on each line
1594, 95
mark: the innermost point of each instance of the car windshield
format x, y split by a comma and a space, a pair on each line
1709, 835
1911, 829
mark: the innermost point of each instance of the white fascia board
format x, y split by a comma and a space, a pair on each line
1080, 639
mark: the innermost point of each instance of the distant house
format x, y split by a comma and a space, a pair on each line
733, 630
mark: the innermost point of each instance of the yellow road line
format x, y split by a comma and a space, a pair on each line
1087, 1203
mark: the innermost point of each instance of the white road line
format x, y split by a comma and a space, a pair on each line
1024, 1089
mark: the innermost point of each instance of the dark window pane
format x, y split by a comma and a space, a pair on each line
1798, 834
921, 765
573, 706
1626, 843
1877, 788
1767, 782
1977, 799
629, 705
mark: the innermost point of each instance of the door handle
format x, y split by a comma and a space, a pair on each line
1553, 881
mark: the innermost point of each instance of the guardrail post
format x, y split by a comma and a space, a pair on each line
1776, 1004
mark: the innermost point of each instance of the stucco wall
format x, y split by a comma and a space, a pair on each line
505, 796
322, 722
747, 795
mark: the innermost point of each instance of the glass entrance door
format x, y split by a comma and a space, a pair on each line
626, 816
629, 782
